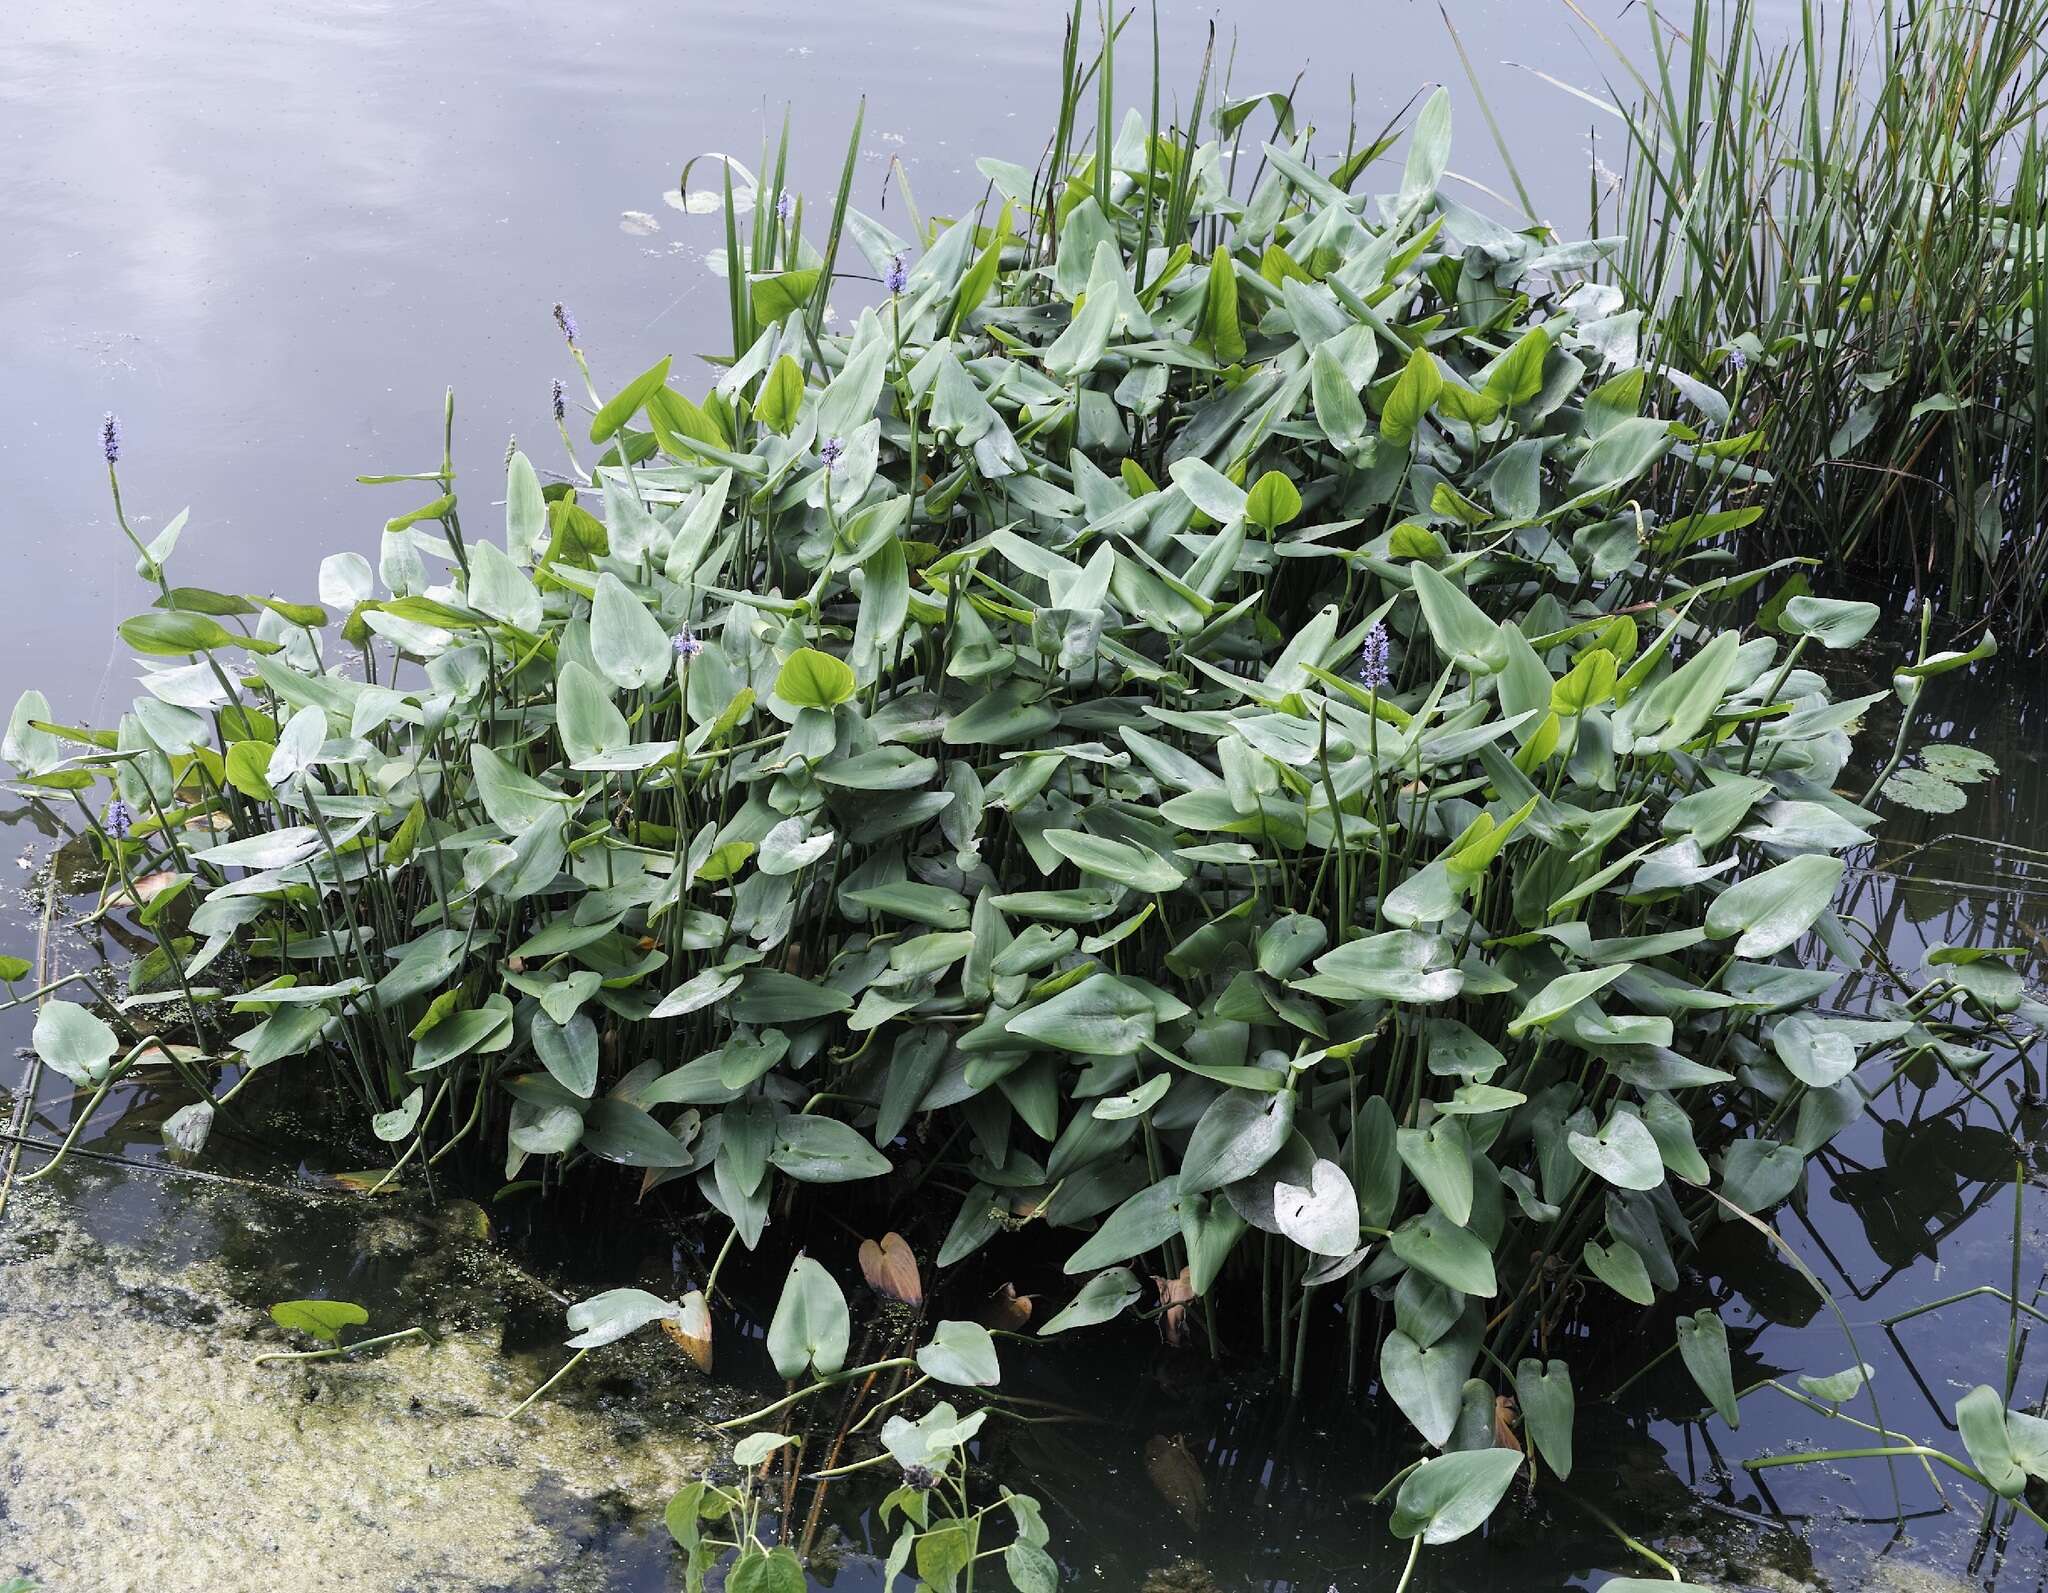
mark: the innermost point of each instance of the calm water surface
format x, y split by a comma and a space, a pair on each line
269, 236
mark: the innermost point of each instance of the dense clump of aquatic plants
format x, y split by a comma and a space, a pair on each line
1178, 714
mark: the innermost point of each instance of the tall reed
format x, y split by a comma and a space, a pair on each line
1847, 230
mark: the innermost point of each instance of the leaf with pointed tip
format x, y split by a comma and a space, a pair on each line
1703, 1346
811, 1326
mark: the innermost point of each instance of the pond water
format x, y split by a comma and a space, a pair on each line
269, 237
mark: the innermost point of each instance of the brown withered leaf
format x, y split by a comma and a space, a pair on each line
891, 1270
1505, 1414
1007, 1310
1177, 1476
692, 1331
1174, 1295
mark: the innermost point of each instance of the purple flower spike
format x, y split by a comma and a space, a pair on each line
566, 322
110, 437
120, 819
830, 451
687, 643
1372, 659
561, 405
898, 276
785, 207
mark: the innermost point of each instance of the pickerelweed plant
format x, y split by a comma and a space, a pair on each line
1174, 717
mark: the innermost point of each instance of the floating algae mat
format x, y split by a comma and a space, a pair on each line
140, 1448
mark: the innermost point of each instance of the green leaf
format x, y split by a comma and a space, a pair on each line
1440, 1157
568, 1051
1623, 1152
774, 296
1924, 791
1429, 155
1144, 1222
1103, 1015
627, 643
823, 1150
1237, 1135
1125, 862
74, 1042
1838, 1387
1832, 621
1462, 632
1272, 502
811, 679
1426, 1381
757, 1447
1399, 965
1621, 1269
1445, 1498
626, 404
1544, 1391
781, 396
621, 1132
1758, 1173
980, 278
811, 1326
173, 634
1980, 1417
1217, 330
323, 1319
1103, 1296
1320, 1215
1414, 392
1703, 1346
960, 1353
1562, 995
1458, 1259
774, 1570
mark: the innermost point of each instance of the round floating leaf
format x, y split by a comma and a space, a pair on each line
1924, 791
1963, 765
324, 1319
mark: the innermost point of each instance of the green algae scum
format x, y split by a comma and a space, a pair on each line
1168, 889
